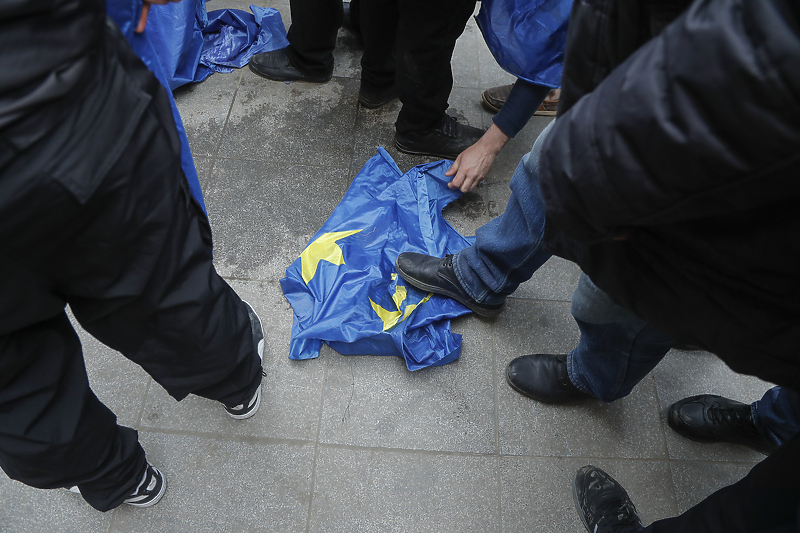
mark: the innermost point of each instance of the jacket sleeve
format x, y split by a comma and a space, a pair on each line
702, 120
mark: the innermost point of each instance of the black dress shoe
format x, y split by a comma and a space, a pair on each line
436, 275
543, 377
376, 99
603, 504
710, 418
276, 66
446, 140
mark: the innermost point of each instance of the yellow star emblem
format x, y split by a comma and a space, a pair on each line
323, 249
391, 318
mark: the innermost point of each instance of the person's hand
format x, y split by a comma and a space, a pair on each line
146, 11
473, 164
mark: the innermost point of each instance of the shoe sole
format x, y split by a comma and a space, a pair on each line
488, 313
285, 78
545, 113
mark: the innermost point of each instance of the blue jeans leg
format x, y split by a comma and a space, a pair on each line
507, 250
777, 415
617, 348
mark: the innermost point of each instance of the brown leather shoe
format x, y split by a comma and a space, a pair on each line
495, 97
550, 104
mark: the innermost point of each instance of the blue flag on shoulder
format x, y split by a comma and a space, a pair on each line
344, 289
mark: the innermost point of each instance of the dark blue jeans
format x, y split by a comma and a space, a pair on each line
617, 349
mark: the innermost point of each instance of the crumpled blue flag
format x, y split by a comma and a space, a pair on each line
125, 13
344, 289
192, 44
527, 37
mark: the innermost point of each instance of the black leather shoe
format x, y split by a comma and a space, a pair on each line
710, 418
543, 377
276, 66
446, 140
603, 505
435, 274
376, 99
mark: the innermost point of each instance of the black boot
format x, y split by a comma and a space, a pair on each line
434, 274
446, 140
543, 377
275, 65
603, 505
710, 418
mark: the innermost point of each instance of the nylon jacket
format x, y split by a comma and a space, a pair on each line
683, 139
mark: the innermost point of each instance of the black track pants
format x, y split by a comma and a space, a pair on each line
130, 252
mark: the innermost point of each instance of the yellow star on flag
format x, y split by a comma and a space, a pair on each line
391, 318
323, 249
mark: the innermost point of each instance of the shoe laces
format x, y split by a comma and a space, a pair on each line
737, 418
448, 261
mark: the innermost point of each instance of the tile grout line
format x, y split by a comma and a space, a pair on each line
316, 447
497, 430
224, 128
666, 445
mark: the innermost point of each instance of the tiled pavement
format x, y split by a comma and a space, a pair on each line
352, 444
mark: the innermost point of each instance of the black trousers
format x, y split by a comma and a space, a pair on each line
312, 35
130, 251
407, 43
766, 500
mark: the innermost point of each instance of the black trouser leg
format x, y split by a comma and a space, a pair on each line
54, 432
133, 260
426, 36
766, 500
312, 35
379, 20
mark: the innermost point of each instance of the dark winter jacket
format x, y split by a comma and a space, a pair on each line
672, 175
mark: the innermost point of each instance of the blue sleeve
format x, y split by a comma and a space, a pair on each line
522, 103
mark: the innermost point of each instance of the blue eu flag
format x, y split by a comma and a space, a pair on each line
343, 288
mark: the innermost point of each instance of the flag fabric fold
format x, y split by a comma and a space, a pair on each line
344, 289
527, 37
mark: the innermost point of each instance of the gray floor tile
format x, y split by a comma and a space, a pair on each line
28, 510
627, 428
119, 383
296, 122
230, 486
465, 65
377, 491
683, 374
555, 280
537, 493
291, 390
694, 481
204, 109
376, 401
263, 214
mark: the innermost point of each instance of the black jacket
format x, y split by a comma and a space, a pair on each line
687, 146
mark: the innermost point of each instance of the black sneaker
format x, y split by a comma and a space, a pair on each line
242, 411
602, 503
434, 274
710, 418
446, 140
149, 490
